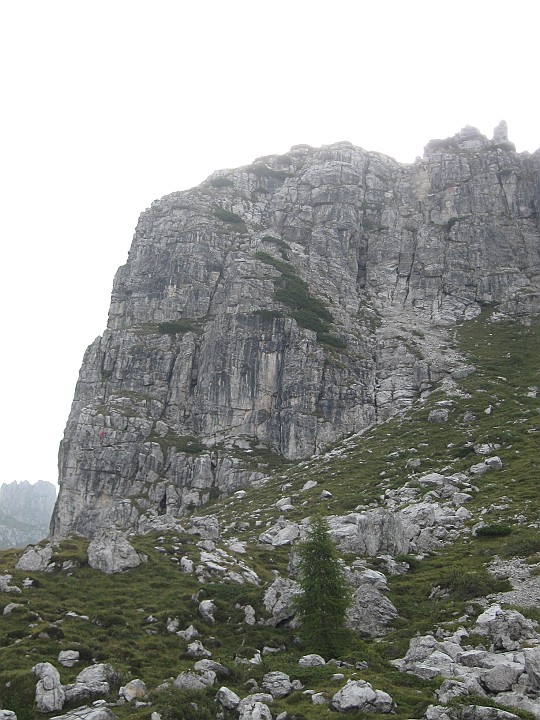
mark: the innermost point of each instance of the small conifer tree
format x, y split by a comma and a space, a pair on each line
325, 595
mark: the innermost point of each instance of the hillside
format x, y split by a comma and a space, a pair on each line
25, 512
435, 513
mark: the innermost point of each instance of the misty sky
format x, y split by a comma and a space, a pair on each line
107, 106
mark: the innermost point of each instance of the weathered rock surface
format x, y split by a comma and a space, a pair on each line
111, 553
359, 695
25, 512
50, 695
208, 354
35, 559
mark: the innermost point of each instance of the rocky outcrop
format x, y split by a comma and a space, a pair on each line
279, 306
25, 512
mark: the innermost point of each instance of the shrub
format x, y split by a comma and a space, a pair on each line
227, 216
495, 530
219, 182
171, 327
524, 543
467, 584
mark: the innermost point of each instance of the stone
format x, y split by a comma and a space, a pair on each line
207, 526
35, 559
10, 607
249, 615
7, 715
319, 699
532, 667
308, 485
311, 660
197, 649
255, 711
189, 634
438, 415
215, 667
278, 684
87, 713
133, 690
370, 612
227, 698
360, 696
194, 681
501, 678
111, 553
50, 696
101, 672
505, 629
278, 600
207, 609
6, 587
68, 658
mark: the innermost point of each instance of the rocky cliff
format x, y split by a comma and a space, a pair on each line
25, 512
280, 306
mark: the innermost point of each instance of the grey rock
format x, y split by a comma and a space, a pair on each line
133, 690
249, 615
363, 232
359, 695
189, 634
370, 612
101, 672
227, 698
197, 649
68, 658
502, 678
50, 696
532, 667
6, 587
438, 415
7, 715
213, 666
35, 559
111, 553
87, 713
194, 681
505, 629
311, 660
319, 699
278, 599
255, 711
206, 610
10, 607
278, 684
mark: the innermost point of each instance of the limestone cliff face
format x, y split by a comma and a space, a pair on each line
277, 307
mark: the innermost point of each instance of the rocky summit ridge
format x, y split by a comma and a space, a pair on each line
278, 307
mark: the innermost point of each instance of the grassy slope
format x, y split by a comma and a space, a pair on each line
118, 607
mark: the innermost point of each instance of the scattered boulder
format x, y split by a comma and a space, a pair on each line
189, 634
255, 711
278, 684
194, 681
505, 629
311, 660
206, 526
227, 698
133, 690
438, 415
532, 667
7, 588
370, 533
50, 695
35, 559
217, 668
87, 713
278, 600
111, 553
359, 695
68, 658
370, 611
10, 607
207, 610
197, 649
7, 715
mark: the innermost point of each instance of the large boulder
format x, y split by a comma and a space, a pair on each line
278, 600
87, 713
35, 559
370, 533
359, 695
278, 684
111, 553
50, 696
505, 629
370, 611
7, 715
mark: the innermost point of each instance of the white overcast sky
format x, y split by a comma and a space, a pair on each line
106, 106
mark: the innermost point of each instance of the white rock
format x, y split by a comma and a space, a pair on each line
359, 695
311, 660
189, 634
207, 610
227, 698
35, 559
111, 553
278, 684
133, 690
50, 696
197, 649
309, 485
68, 658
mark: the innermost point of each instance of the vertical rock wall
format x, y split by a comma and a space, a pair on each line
277, 307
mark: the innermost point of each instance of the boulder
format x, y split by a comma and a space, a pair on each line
227, 698
111, 553
206, 526
68, 658
213, 666
278, 684
505, 629
101, 672
87, 713
278, 600
35, 559
501, 678
255, 711
50, 695
370, 533
189, 634
7, 715
196, 649
133, 690
194, 681
207, 610
370, 611
532, 667
359, 695
7, 588
311, 660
